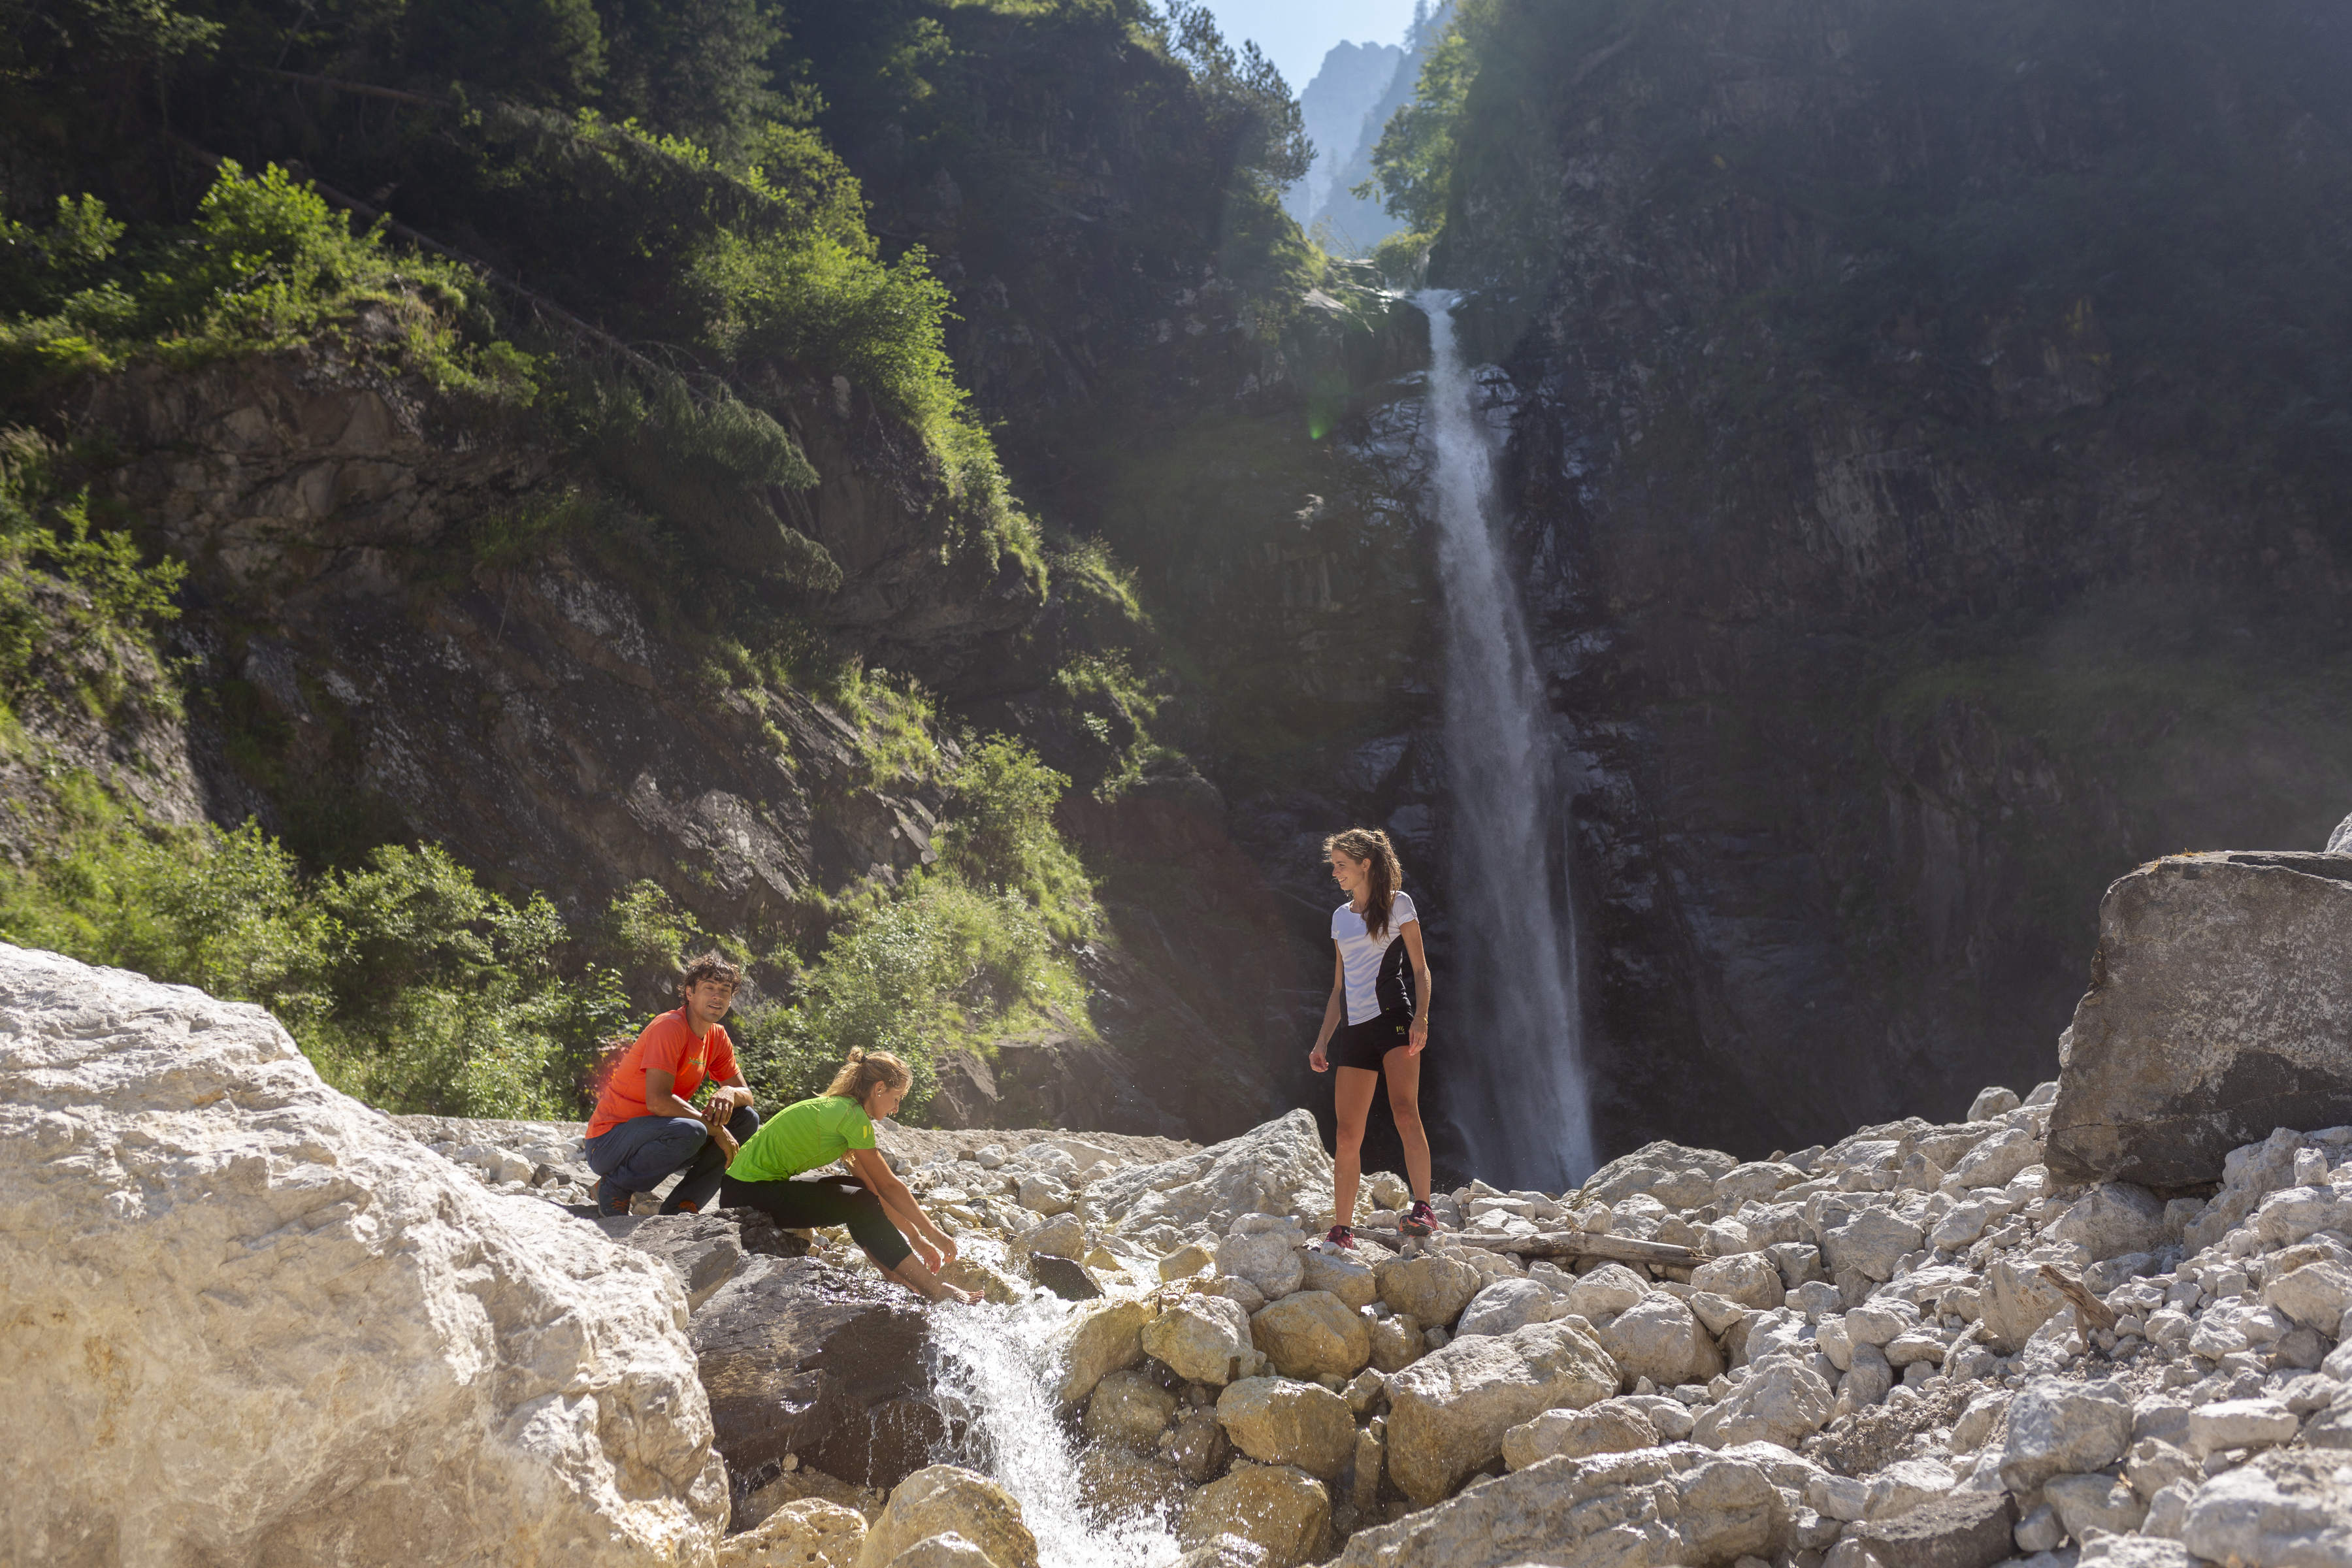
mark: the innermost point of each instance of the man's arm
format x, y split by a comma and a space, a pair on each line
661, 1098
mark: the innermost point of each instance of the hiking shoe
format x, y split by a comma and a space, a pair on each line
1339, 1236
610, 1205
1421, 1220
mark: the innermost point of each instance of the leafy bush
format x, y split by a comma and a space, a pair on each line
409, 986
82, 599
946, 966
1001, 834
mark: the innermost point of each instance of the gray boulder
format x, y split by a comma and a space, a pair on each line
2064, 1429
2216, 1012
2289, 1509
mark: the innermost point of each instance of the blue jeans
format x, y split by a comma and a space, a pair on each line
638, 1154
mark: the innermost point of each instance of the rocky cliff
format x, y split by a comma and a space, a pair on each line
1915, 531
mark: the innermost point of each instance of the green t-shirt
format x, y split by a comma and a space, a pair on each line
802, 1138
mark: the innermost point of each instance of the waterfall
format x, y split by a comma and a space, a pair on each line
993, 1373
1516, 1027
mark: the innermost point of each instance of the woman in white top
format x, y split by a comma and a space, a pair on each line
1379, 1013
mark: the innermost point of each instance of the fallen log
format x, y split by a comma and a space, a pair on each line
2090, 1312
1571, 1244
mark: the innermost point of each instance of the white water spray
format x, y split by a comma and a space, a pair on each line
992, 1372
1522, 1032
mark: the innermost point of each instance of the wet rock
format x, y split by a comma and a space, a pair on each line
1129, 1409
1204, 1339
1065, 1276
1279, 1422
1432, 1287
944, 1550
1114, 1481
272, 1293
1448, 1411
1198, 1448
1186, 1261
2288, 1509
2213, 1016
947, 1499
807, 1533
1659, 1505
1312, 1335
1270, 1169
1611, 1426
1959, 1530
1509, 1304
1286, 1511
799, 1357
2064, 1429
1658, 1338
1100, 1340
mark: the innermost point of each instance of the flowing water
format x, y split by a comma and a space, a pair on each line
1520, 1020
993, 1373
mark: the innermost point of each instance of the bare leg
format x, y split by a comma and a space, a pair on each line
1404, 1070
911, 1273
1351, 1101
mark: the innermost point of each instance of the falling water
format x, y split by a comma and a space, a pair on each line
1515, 958
992, 1372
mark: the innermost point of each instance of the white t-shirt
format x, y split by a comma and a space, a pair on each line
1378, 969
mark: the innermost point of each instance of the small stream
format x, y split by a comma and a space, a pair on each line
993, 1373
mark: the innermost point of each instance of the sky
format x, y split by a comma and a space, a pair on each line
1295, 34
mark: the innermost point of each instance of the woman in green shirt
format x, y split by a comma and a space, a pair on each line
873, 1203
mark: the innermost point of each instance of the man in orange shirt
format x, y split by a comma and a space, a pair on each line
645, 1124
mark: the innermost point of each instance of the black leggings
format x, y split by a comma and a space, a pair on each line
805, 1203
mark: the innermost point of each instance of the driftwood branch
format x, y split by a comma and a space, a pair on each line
1566, 1244
2090, 1312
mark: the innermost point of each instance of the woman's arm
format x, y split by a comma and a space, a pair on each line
1334, 1011
900, 1205
1420, 1036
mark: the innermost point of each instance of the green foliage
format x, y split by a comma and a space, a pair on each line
266, 262
895, 720
1412, 164
1250, 108
409, 984
947, 967
77, 603
1001, 833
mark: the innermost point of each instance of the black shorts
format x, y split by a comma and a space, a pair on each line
1367, 1044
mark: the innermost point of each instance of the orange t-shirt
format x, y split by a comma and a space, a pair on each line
667, 1046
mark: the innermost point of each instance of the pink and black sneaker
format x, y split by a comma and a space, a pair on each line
1339, 1236
1421, 1220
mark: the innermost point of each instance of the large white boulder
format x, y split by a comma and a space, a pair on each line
1278, 1167
271, 1327
1448, 1411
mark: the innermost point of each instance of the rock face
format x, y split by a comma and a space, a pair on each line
2214, 1015
311, 1339
800, 1357
1448, 1411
